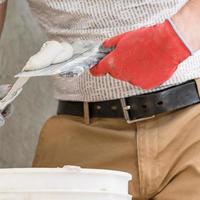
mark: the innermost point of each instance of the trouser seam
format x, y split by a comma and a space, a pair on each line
140, 128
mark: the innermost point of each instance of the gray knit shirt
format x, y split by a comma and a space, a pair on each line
83, 21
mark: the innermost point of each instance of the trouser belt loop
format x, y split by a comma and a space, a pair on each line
198, 85
86, 113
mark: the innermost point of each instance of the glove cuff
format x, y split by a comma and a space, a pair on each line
181, 36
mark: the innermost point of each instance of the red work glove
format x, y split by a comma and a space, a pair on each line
145, 57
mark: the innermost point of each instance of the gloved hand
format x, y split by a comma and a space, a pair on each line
146, 57
7, 112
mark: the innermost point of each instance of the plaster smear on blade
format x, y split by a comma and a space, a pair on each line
75, 66
66, 53
52, 52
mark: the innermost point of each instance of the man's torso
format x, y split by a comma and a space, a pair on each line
96, 20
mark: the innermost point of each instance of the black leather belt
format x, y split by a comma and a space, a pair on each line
136, 108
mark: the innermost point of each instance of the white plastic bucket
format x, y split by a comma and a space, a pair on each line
67, 178
62, 195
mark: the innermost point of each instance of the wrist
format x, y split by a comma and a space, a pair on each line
186, 21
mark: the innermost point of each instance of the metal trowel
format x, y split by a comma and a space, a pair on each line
73, 66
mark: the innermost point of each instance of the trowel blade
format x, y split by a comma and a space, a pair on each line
76, 65
55, 69
13, 93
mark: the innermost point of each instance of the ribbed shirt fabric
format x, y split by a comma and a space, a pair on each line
83, 21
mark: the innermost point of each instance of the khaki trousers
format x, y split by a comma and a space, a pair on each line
162, 154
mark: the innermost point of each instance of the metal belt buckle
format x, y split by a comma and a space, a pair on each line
126, 108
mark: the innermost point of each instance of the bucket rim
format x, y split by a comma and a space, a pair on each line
67, 192
64, 170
